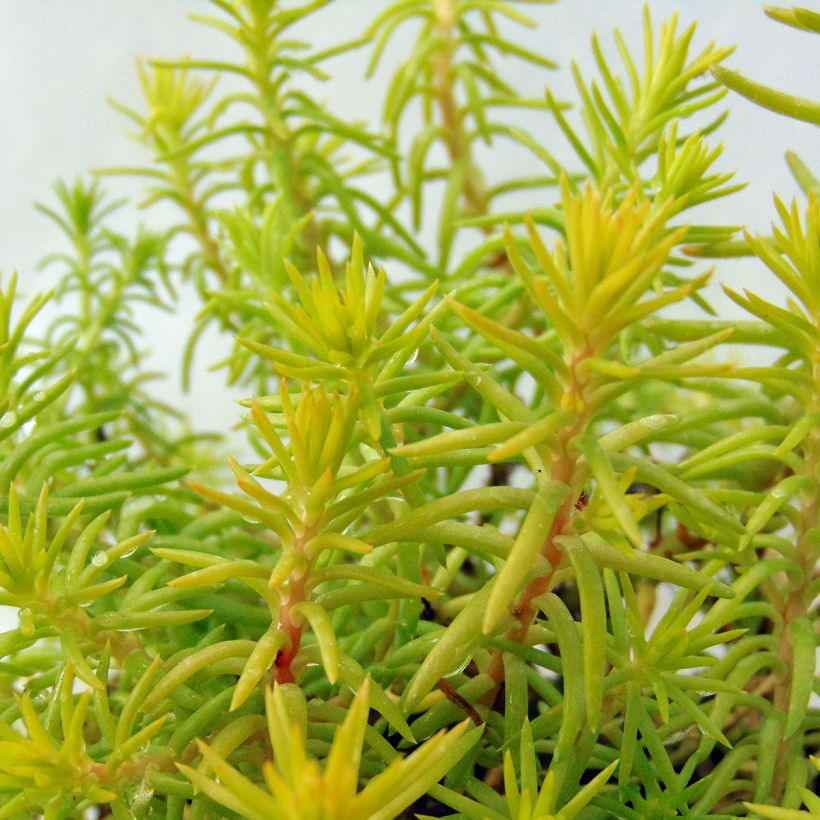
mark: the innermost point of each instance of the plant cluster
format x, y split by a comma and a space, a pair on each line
514, 542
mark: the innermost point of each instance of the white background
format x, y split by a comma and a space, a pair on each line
59, 59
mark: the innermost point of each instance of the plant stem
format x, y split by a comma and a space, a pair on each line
456, 139
197, 218
564, 468
795, 601
282, 153
294, 593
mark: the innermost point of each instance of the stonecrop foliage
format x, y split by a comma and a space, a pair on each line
512, 541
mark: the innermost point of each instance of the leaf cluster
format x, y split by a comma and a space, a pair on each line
510, 540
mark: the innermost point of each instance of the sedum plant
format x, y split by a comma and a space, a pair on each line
510, 539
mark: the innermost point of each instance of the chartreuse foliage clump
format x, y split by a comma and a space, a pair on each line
509, 539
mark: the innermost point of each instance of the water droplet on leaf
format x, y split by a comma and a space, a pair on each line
8, 419
141, 796
655, 422
26, 622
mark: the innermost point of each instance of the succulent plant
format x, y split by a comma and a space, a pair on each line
512, 539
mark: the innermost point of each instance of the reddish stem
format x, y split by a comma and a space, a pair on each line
282, 664
564, 469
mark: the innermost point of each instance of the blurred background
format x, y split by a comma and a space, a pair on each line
60, 59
